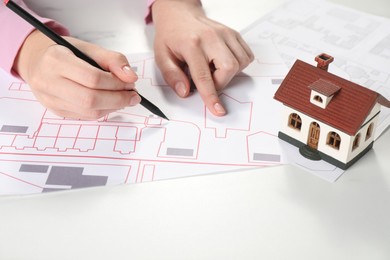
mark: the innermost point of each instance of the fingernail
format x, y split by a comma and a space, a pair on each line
127, 69
135, 100
219, 108
180, 89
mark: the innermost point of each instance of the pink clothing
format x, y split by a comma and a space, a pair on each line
14, 30
148, 16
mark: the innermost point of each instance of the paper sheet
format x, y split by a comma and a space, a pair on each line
41, 152
359, 42
38, 149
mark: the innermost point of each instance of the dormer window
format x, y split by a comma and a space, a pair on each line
318, 98
322, 92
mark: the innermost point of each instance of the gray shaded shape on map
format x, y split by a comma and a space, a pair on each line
277, 81
51, 189
73, 177
14, 129
266, 157
180, 151
33, 168
382, 48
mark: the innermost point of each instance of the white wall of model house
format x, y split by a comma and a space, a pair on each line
345, 153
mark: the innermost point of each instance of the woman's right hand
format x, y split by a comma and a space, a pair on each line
69, 86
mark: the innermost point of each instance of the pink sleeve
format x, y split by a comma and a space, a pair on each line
148, 16
13, 32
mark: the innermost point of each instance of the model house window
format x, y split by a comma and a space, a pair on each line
369, 131
356, 142
334, 140
318, 98
295, 121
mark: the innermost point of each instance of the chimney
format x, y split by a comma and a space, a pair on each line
323, 60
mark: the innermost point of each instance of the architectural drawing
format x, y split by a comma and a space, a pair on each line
301, 29
130, 146
42, 152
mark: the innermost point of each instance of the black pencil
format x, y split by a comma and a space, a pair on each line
61, 41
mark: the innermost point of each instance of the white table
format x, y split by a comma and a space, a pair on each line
272, 213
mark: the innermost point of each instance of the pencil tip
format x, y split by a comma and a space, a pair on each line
165, 117
151, 107
160, 114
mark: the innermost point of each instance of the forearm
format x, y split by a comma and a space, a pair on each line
29, 53
195, 2
14, 31
158, 8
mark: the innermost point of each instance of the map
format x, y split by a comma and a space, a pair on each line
41, 152
359, 42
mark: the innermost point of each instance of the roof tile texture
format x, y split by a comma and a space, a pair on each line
347, 110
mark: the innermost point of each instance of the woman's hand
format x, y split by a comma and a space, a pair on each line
213, 52
69, 86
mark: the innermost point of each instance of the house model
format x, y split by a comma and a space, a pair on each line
327, 117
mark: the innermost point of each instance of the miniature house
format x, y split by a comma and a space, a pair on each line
326, 116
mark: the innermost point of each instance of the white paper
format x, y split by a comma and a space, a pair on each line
41, 152
359, 42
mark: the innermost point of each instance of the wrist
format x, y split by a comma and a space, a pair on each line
164, 8
32, 48
193, 2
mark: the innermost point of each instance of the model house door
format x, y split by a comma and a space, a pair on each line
314, 135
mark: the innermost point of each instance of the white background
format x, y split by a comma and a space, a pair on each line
273, 213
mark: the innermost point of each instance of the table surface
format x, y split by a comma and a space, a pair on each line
272, 213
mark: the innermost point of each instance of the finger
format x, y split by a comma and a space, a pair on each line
65, 109
226, 65
172, 72
236, 43
77, 70
230, 60
111, 61
246, 47
88, 99
81, 115
117, 64
201, 74
240, 50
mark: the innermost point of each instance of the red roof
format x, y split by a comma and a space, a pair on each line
347, 110
324, 87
